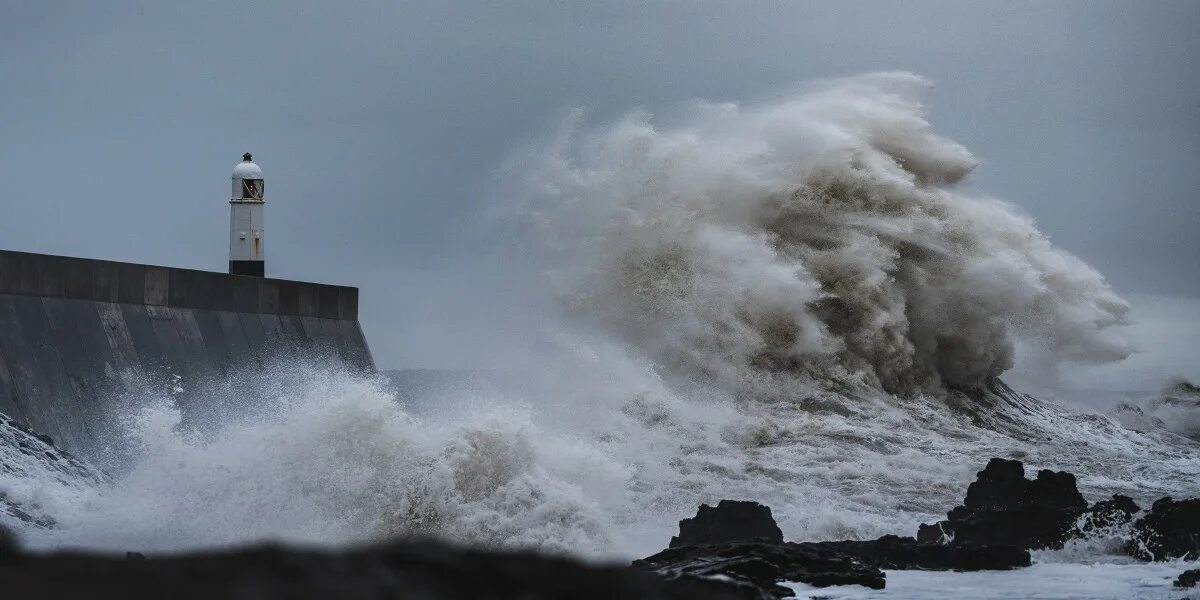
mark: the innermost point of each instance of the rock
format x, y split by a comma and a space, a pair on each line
729, 521
894, 552
739, 545
764, 566
1108, 513
1171, 529
8, 542
1187, 579
1003, 508
933, 534
761, 566
410, 570
1000, 485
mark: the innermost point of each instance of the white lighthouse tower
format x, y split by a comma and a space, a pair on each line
246, 253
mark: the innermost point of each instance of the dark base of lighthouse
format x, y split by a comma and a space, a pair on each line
253, 268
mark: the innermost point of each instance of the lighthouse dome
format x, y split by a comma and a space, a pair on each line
247, 181
247, 169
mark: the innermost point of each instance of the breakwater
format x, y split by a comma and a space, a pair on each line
75, 332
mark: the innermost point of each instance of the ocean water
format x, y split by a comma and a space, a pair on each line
792, 302
1044, 580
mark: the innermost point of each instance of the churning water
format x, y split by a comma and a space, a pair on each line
792, 302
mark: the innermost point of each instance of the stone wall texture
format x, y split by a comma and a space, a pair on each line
74, 332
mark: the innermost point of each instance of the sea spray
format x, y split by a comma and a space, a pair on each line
335, 459
820, 234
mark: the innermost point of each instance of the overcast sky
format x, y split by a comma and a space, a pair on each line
379, 126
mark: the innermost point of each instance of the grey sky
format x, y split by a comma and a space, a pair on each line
379, 124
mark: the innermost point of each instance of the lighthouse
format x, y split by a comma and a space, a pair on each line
246, 253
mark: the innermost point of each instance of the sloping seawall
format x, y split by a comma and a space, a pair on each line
75, 332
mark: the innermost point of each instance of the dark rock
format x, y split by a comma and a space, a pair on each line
8, 542
424, 570
1187, 579
729, 521
1108, 513
1170, 530
1003, 508
764, 566
738, 545
933, 534
761, 566
1000, 485
762, 562
894, 552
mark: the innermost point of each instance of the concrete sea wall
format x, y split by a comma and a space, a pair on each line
75, 332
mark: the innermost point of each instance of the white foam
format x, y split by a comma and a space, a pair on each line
1057, 581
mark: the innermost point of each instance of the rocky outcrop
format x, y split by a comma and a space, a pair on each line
728, 521
1107, 514
1188, 579
738, 544
1170, 530
1004, 508
894, 552
761, 567
422, 570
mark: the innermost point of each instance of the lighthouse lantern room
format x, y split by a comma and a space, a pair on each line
246, 252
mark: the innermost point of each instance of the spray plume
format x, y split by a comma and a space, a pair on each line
820, 235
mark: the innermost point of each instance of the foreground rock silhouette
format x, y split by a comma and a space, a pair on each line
1107, 514
420, 570
710, 547
729, 521
1171, 529
1188, 579
1003, 507
1003, 515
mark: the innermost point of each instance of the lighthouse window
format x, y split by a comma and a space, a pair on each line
252, 188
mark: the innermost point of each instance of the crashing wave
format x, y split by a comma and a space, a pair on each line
1176, 409
821, 234
37, 479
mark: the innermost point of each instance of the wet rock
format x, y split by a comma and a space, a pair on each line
761, 567
1108, 513
423, 570
894, 552
1003, 508
729, 521
1188, 579
764, 561
1171, 529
